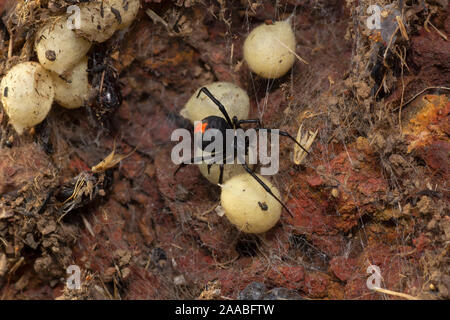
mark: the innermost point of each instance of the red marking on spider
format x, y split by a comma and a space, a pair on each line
200, 127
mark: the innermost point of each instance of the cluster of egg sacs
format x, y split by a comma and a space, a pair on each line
269, 52
29, 88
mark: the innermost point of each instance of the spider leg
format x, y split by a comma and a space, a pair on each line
285, 134
221, 168
210, 164
182, 165
248, 121
194, 160
217, 102
266, 187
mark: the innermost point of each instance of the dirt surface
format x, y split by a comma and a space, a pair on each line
373, 191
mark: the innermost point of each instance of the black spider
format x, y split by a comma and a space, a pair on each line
221, 124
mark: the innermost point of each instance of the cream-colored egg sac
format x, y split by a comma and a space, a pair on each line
27, 95
234, 99
248, 206
268, 49
58, 48
229, 171
99, 19
72, 91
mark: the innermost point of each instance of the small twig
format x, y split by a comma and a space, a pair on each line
223, 265
402, 60
394, 293
105, 288
88, 226
16, 265
209, 210
231, 55
428, 22
148, 263
425, 24
293, 52
439, 31
402, 27
176, 246
10, 46
101, 82
401, 101
418, 94
381, 85
4, 242
390, 42
152, 14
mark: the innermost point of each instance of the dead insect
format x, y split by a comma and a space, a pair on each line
103, 78
110, 161
306, 139
82, 190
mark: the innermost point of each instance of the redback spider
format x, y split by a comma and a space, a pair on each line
221, 125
